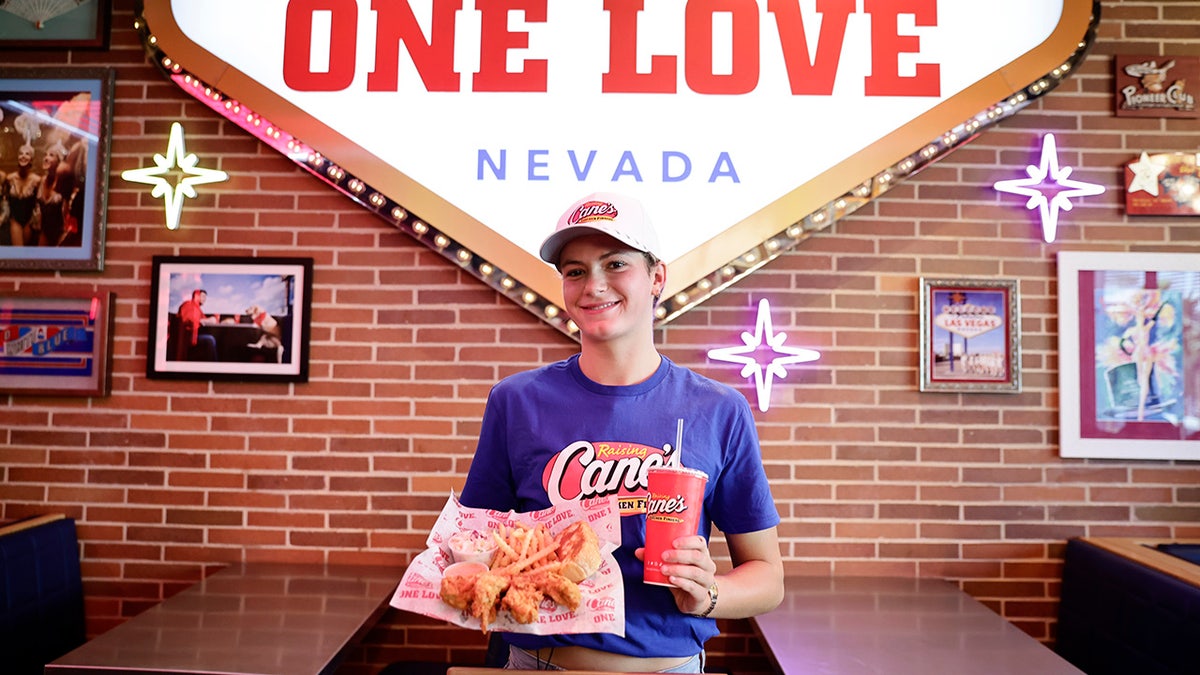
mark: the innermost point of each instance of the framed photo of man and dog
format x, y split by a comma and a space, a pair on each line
220, 318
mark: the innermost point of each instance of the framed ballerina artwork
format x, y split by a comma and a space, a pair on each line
1129, 355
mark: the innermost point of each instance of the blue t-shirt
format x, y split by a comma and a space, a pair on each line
551, 435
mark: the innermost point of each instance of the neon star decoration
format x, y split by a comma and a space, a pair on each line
764, 340
1049, 188
177, 160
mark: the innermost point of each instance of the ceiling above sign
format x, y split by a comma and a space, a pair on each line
743, 126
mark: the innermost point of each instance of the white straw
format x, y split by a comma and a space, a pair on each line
679, 442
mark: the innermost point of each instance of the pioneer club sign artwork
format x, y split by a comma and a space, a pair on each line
743, 125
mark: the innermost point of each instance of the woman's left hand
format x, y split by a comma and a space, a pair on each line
690, 567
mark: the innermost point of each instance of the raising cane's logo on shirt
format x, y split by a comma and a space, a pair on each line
586, 469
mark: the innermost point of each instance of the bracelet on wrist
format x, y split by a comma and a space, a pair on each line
712, 600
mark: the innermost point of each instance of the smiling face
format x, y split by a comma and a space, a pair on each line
51, 160
609, 288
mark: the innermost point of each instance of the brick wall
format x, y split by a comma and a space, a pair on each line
171, 479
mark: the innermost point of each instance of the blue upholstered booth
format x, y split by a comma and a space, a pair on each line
41, 593
1129, 608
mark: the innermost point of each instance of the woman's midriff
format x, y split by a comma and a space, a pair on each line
583, 658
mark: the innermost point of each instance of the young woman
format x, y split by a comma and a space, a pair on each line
583, 428
20, 190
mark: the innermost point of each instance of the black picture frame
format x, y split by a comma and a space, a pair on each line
258, 329
56, 344
65, 113
86, 26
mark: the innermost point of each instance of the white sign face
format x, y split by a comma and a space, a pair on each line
968, 325
730, 119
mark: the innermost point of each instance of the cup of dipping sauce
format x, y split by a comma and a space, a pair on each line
473, 546
463, 569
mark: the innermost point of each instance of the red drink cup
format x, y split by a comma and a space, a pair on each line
672, 511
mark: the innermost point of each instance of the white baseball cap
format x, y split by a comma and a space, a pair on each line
621, 217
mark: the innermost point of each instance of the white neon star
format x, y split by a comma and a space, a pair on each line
1049, 188
1145, 175
764, 375
177, 159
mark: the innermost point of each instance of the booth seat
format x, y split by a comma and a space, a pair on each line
1129, 607
41, 593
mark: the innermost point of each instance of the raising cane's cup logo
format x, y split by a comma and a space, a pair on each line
672, 511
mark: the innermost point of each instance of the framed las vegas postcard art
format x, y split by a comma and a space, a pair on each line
1129, 355
970, 335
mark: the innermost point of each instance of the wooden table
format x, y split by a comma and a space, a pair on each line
254, 619
869, 625
470, 670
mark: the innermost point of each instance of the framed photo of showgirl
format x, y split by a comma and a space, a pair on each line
54, 161
56, 345
220, 318
970, 335
1129, 355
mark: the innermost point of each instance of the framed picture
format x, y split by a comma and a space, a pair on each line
56, 345
1155, 86
1129, 355
970, 335
46, 24
230, 318
54, 156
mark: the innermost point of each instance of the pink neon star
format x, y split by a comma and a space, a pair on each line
1049, 188
764, 374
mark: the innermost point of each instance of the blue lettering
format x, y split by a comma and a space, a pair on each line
534, 164
498, 171
627, 167
545, 165
581, 175
723, 160
668, 155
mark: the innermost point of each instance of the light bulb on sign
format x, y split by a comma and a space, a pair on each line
763, 372
179, 160
1049, 188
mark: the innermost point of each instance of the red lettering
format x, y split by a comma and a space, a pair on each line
433, 59
887, 45
622, 76
495, 42
815, 77
698, 37
297, 44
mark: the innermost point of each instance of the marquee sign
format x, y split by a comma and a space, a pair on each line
743, 125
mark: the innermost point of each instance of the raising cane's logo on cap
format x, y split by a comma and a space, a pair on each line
590, 212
